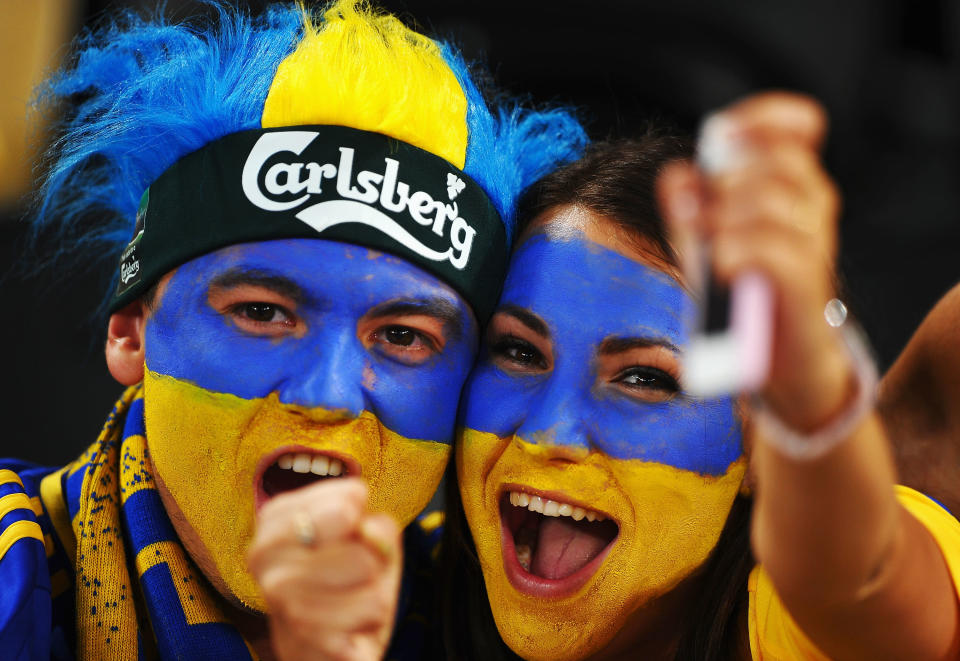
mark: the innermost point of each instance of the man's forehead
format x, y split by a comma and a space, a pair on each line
318, 269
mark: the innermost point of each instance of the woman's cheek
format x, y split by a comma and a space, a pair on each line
496, 402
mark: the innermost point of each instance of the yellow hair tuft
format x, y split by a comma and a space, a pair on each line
367, 70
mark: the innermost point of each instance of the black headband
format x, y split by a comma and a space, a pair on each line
329, 182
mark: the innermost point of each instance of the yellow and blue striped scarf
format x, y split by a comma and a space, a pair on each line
138, 594
118, 584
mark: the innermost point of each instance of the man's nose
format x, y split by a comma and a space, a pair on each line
329, 376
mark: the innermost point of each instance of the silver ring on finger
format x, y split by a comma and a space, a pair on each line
305, 529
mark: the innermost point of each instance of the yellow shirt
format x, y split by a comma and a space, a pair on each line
774, 636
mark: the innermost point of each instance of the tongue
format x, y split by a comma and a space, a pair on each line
563, 547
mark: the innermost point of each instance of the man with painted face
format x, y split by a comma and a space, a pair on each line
311, 214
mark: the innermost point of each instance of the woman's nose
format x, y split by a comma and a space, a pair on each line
560, 420
328, 376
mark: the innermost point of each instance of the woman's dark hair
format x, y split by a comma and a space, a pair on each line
614, 179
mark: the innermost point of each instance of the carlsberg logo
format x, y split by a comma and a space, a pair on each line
358, 196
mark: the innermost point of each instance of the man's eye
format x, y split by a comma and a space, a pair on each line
518, 352
648, 379
264, 312
399, 335
405, 342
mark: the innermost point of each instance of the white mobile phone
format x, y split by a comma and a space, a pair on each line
730, 349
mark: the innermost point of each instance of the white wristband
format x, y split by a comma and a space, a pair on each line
810, 446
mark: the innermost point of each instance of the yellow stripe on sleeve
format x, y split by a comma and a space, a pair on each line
17, 531
14, 501
8, 476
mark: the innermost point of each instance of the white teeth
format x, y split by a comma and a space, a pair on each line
549, 507
301, 462
319, 465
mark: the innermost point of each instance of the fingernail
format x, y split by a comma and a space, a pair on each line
720, 147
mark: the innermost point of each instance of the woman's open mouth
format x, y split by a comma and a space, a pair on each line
294, 470
551, 547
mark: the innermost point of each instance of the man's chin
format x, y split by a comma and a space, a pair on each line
218, 563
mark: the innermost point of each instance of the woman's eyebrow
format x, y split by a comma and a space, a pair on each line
527, 318
613, 345
432, 307
237, 277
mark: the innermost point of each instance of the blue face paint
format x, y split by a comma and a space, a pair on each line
329, 365
587, 294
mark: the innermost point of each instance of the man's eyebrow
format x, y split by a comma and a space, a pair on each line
432, 307
527, 318
237, 277
613, 345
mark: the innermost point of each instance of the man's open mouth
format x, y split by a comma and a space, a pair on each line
552, 547
294, 470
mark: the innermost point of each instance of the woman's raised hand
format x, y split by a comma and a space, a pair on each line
329, 570
858, 573
771, 208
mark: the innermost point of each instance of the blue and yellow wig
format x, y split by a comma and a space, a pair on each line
145, 93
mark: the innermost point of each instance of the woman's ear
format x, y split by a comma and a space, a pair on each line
125, 343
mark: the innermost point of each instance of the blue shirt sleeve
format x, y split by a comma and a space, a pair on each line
25, 599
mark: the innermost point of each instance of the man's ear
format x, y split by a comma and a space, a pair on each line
125, 343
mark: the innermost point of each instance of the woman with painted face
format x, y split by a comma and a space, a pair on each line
599, 511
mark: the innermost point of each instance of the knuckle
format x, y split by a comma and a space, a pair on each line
276, 585
380, 606
301, 624
333, 645
367, 563
773, 203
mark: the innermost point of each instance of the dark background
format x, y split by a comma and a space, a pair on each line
887, 71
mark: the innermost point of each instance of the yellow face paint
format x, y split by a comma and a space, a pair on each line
669, 520
207, 449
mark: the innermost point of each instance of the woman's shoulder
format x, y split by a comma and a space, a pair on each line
775, 635
942, 525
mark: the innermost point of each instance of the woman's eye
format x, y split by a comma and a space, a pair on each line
648, 379
519, 353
